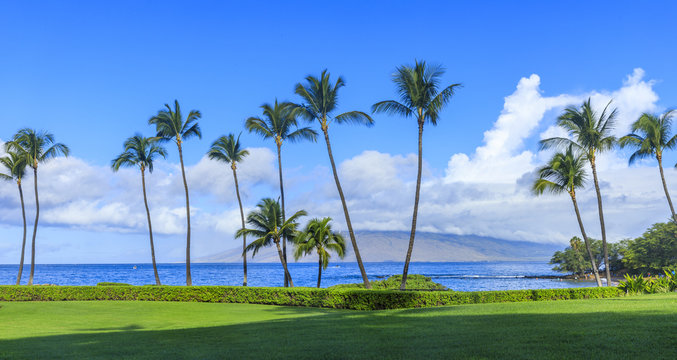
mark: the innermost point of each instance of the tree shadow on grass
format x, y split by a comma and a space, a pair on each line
423, 333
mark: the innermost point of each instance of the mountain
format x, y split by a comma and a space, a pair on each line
384, 246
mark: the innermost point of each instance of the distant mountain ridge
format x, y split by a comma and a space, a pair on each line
386, 246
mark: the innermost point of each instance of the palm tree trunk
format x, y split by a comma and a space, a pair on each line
35, 225
284, 238
284, 264
189, 279
319, 271
413, 220
23, 244
244, 236
150, 228
665, 187
587, 242
601, 221
367, 284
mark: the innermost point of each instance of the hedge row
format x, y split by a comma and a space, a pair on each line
329, 298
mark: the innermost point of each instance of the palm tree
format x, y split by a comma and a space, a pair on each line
227, 149
16, 170
418, 88
268, 228
319, 237
279, 123
565, 173
321, 98
651, 136
140, 151
591, 133
170, 125
36, 148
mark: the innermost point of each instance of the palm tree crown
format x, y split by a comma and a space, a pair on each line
279, 123
318, 236
590, 130
650, 136
564, 173
321, 99
139, 151
227, 149
170, 123
36, 146
418, 88
267, 227
15, 164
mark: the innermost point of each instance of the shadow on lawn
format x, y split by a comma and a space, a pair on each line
423, 333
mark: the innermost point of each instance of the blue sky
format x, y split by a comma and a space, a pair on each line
94, 72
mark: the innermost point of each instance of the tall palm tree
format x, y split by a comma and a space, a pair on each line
170, 125
319, 237
565, 173
16, 170
280, 123
321, 98
227, 149
591, 133
651, 136
35, 147
268, 228
418, 88
140, 151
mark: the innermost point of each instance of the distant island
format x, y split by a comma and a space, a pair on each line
385, 246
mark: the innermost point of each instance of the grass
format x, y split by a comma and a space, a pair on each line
629, 327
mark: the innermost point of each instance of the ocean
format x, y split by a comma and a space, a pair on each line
460, 276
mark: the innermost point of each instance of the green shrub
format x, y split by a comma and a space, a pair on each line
112, 284
639, 285
356, 299
414, 282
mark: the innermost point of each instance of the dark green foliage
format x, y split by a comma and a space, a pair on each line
654, 251
355, 299
575, 260
112, 284
414, 282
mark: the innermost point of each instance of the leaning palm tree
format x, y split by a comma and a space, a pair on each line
279, 123
170, 125
318, 237
565, 173
591, 133
16, 170
140, 151
227, 149
651, 136
36, 148
268, 228
321, 98
418, 88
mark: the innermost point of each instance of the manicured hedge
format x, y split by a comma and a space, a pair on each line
330, 298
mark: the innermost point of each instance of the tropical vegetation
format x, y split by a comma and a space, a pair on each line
280, 123
35, 147
171, 125
320, 100
140, 152
418, 87
420, 96
227, 149
319, 237
592, 134
268, 227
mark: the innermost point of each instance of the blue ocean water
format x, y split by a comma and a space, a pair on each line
461, 276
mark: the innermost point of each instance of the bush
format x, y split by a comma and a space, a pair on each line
639, 285
112, 284
356, 299
414, 282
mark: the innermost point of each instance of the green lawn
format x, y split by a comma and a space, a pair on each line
630, 327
